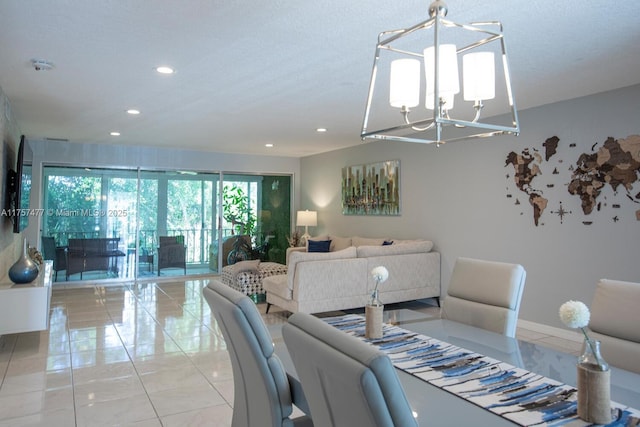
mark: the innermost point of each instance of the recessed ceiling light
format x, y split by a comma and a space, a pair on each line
165, 70
114, 133
268, 145
320, 130
133, 111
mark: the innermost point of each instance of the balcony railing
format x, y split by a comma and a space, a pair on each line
197, 241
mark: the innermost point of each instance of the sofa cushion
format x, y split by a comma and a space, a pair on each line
251, 265
319, 237
316, 238
362, 241
318, 245
405, 248
406, 241
339, 243
297, 257
403, 241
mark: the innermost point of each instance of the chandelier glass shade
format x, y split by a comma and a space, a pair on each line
442, 77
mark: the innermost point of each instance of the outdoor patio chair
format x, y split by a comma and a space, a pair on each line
57, 254
172, 253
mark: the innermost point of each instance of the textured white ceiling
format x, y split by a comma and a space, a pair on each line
250, 73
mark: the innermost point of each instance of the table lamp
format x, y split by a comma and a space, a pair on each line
307, 219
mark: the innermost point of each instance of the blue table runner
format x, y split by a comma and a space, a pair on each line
523, 397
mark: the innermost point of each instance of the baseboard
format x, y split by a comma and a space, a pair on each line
551, 330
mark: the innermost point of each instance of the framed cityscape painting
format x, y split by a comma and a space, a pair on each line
371, 189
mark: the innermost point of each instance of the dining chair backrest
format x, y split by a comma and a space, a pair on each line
485, 294
615, 321
347, 382
262, 395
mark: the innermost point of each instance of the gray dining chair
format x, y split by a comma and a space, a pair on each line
615, 321
347, 381
263, 392
485, 294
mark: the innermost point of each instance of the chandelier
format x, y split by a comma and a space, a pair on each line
440, 48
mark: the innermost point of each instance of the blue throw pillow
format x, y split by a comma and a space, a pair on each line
319, 246
387, 243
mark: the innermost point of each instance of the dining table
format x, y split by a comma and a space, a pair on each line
433, 406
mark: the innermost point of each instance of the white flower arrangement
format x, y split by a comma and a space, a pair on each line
380, 274
576, 315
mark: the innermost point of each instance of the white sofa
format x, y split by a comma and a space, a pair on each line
341, 278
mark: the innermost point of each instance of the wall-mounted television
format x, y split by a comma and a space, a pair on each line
19, 187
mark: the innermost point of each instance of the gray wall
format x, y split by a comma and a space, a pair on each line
455, 195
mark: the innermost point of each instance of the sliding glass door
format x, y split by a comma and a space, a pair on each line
256, 217
161, 223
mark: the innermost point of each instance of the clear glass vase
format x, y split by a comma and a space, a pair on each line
593, 383
374, 299
591, 356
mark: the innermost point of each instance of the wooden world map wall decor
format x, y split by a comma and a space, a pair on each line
609, 170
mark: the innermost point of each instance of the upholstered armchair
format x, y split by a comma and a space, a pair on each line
172, 253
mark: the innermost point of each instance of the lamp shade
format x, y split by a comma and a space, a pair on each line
448, 80
404, 87
479, 76
307, 218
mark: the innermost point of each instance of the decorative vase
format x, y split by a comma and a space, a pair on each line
594, 401
241, 251
373, 312
25, 270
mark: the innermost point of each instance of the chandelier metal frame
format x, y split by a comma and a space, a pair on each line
431, 129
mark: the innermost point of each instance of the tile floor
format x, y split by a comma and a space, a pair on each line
144, 354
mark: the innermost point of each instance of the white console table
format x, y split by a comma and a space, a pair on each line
25, 308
